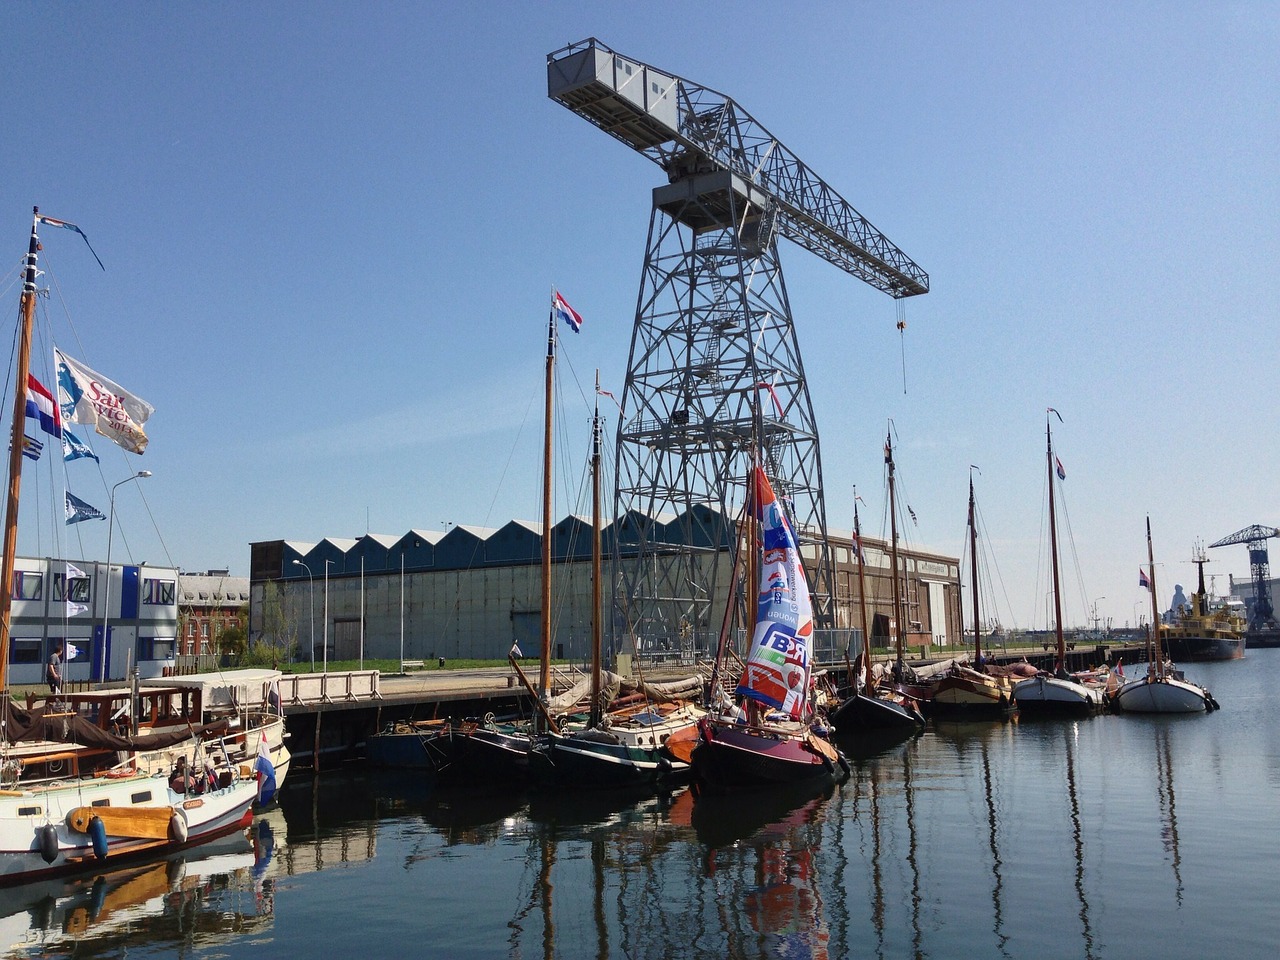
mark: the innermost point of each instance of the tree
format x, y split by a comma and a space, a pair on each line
279, 637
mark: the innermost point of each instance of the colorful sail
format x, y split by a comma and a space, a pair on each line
778, 663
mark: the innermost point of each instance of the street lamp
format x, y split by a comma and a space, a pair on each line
106, 589
326, 615
312, 582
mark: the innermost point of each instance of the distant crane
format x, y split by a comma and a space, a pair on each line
715, 366
1262, 615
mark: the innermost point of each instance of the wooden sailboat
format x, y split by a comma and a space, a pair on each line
493, 751
1162, 690
625, 746
769, 733
876, 706
973, 691
73, 796
1058, 692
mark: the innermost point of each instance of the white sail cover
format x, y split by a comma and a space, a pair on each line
778, 664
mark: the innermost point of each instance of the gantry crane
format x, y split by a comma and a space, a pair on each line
715, 369
1262, 615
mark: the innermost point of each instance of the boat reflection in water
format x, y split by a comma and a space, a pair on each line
200, 896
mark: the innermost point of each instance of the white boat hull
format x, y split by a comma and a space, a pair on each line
1165, 695
1046, 694
25, 813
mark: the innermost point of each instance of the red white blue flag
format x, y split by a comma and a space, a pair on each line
1062, 474
565, 312
1142, 579
40, 406
778, 664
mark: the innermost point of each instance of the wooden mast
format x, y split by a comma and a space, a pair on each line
544, 672
15, 448
597, 657
973, 559
893, 529
1053, 550
1155, 668
862, 598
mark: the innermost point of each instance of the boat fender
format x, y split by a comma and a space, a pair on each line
47, 837
178, 828
98, 836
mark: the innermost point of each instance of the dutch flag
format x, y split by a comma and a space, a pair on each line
266, 772
40, 406
565, 312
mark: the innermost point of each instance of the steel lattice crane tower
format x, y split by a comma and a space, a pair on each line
715, 364
1262, 616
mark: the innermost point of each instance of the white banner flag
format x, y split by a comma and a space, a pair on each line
86, 396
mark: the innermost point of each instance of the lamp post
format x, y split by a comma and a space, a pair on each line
106, 589
326, 615
312, 582
1096, 618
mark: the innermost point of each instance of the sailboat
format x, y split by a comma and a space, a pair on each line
1058, 692
492, 750
973, 691
769, 732
625, 746
1162, 690
73, 796
877, 707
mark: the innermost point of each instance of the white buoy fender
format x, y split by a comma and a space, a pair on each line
47, 837
178, 828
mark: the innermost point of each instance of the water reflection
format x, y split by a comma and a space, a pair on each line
201, 896
1168, 807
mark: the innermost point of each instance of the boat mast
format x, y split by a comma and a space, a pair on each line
862, 598
15, 448
893, 529
1053, 550
1155, 669
973, 560
544, 672
597, 665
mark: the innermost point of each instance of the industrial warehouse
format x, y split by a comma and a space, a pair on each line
473, 592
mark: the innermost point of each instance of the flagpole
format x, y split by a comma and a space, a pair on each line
544, 673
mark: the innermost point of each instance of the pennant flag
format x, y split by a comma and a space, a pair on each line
565, 312
73, 448
266, 772
857, 548
1142, 579
88, 397
40, 406
1062, 474
913, 515
71, 226
31, 447
78, 510
778, 665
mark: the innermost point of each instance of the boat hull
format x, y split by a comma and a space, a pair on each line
478, 754
622, 754
1165, 695
731, 755
971, 694
861, 712
1047, 696
26, 855
1203, 649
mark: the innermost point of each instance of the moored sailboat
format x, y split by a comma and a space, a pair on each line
1059, 691
878, 706
619, 747
770, 733
74, 796
1162, 690
973, 691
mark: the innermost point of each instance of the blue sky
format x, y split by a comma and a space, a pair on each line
330, 233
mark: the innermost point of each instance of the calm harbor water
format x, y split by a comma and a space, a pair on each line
1110, 837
